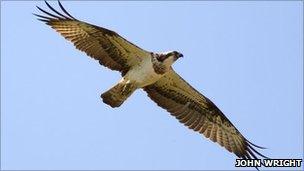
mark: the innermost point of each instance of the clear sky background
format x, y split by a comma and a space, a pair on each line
247, 57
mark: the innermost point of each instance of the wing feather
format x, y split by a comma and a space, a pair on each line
106, 46
197, 112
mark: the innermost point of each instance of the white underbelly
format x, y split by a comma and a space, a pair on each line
143, 75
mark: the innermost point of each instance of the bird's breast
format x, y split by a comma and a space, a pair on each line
143, 74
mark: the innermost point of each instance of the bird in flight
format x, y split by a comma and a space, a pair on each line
152, 72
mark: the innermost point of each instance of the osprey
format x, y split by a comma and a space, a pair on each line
153, 73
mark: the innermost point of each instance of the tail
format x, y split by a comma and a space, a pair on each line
118, 94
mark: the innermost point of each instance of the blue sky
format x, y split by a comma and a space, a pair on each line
247, 57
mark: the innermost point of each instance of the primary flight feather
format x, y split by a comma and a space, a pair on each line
153, 73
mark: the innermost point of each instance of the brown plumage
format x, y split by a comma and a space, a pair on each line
197, 112
167, 88
118, 94
106, 46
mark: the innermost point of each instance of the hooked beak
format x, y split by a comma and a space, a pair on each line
180, 55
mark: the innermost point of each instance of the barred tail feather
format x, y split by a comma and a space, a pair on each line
118, 94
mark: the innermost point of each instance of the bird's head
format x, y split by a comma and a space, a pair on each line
169, 58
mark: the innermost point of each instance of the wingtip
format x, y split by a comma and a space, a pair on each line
46, 3
257, 146
40, 19
43, 20
65, 11
38, 7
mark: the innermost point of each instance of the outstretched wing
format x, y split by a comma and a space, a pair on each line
112, 50
197, 112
